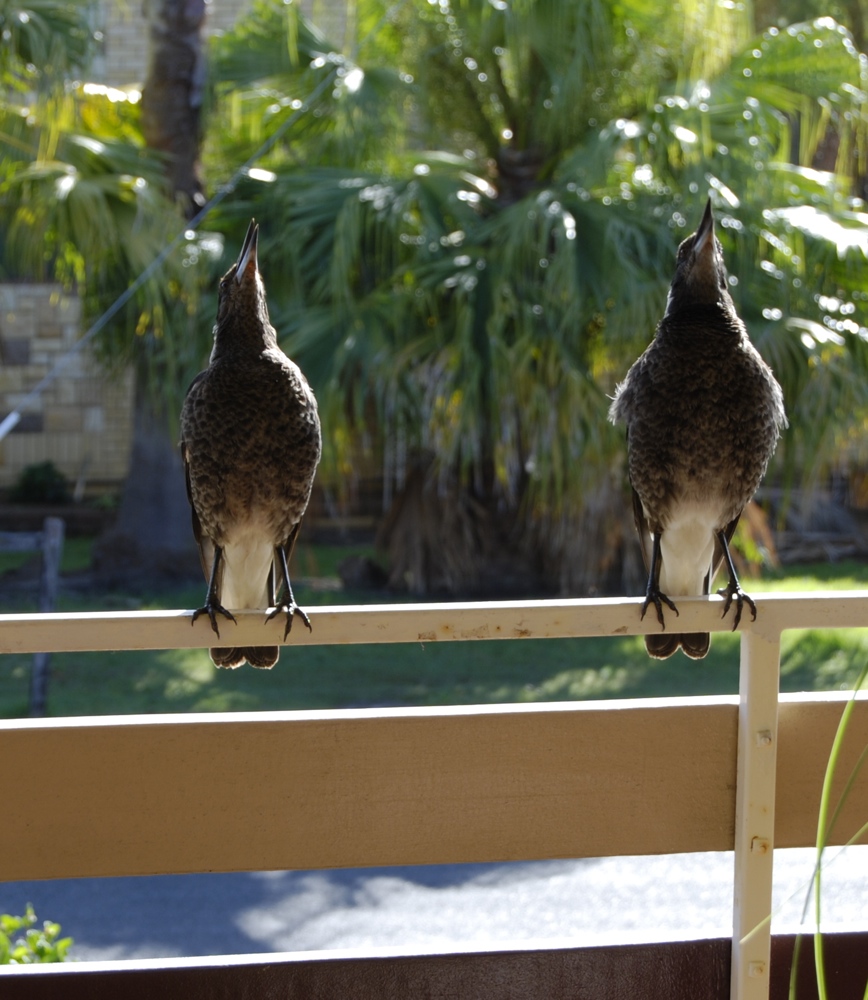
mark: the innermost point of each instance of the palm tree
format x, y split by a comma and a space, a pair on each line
174, 92
86, 204
482, 218
42, 39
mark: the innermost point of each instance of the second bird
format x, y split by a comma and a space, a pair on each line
250, 441
703, 414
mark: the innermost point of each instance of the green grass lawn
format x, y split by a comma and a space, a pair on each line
76, 556
434, 674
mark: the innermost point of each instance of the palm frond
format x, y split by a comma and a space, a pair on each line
477, 238
43, 40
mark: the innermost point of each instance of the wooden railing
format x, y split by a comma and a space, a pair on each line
295, 790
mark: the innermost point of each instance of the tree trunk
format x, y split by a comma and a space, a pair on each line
172, 95
152, 535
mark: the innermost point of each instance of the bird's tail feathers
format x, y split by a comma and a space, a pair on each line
263, 657
695, 644
663, 645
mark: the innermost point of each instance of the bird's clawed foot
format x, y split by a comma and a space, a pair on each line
212, 607
658, 599
285, 601
733, 592
290, 609
653, 594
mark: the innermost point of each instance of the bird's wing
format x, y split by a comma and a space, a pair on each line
644, 532
206, 546
717, 558
642, 529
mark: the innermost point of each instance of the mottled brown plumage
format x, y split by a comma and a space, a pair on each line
250, 441
703, 414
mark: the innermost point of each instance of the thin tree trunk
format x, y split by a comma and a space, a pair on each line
172, 95
152, 535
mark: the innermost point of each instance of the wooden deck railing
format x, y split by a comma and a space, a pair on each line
294, 790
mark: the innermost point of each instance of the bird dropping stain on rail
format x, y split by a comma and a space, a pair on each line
481, 632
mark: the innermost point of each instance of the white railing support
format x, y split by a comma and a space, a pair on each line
759, 672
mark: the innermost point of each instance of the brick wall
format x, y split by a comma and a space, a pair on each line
83, 420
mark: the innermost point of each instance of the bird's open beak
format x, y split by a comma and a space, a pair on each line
705, 233
248, 252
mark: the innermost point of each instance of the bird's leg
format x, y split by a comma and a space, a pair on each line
653, 594
732, 591
288, 604
212, 606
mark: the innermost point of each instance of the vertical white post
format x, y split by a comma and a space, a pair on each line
755, 815
52, 551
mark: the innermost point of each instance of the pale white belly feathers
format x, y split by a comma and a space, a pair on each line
247, 559
687, 548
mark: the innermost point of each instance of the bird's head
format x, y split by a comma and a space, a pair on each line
700, 274
241, 310
241, 286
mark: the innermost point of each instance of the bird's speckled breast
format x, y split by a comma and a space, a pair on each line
252, 434
703, 415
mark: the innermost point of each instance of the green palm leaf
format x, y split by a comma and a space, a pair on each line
482, 232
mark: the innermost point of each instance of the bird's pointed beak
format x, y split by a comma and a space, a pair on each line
705, 233
247, 257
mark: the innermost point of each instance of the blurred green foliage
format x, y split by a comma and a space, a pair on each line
484, 207
468, 233
23, 943
41, 483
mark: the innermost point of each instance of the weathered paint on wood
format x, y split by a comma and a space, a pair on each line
422, 623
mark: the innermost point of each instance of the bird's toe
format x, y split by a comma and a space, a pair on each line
658, 599
212, 609
290, 610
733, 593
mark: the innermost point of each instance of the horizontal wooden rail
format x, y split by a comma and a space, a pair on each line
296, 790
147, 795
54, 633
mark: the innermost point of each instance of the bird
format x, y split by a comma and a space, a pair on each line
250, 444
704, 413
